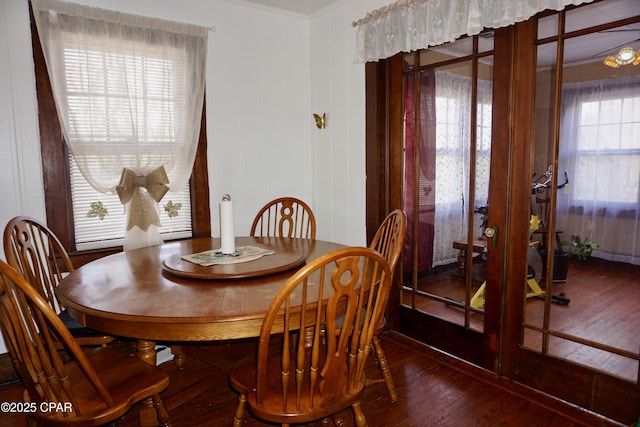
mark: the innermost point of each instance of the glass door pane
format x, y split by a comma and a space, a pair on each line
448, 111
587, 119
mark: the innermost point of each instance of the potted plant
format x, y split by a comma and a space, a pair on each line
579, 248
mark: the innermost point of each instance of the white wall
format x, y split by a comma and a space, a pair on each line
258, 104
337, 87
20, 165
338, 152
267, 72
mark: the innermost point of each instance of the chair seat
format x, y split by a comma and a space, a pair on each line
270, 409
132, 379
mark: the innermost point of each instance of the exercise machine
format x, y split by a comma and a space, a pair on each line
533, 288
534, 259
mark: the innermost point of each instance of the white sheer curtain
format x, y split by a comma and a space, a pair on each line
409, 25
129, 92
600, 152
453, 148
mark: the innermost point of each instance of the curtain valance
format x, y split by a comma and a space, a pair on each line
409, 25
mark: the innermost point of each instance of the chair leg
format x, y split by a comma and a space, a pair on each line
358, 415
161, 412
384, 369
238, 417
337, 421
179, 358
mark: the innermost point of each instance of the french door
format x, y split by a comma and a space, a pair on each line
442, 166
585, 164
454, 136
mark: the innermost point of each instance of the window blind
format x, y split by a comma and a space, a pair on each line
100, 220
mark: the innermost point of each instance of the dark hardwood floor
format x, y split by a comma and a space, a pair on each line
434, 390
603, 308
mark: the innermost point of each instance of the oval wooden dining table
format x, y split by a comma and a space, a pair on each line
151, 294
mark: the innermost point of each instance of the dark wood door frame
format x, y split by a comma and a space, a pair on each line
512, 139
384, 153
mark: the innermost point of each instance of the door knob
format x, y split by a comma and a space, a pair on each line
492, 233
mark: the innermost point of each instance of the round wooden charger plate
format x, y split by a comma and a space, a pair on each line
267, 264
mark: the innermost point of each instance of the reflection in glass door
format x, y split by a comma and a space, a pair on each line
585, 347
587, 122
447, 149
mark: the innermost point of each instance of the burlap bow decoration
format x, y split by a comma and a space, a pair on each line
143, 211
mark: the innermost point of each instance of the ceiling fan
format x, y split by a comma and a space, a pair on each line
625, 52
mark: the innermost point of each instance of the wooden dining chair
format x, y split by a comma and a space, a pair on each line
324, 373
388, 241
285, 217
94, 388
34, 250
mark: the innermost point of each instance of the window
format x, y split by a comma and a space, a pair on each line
66, 215
600, 152
453, 111
607, 144
99, 219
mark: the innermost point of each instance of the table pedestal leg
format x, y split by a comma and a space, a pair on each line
146, 351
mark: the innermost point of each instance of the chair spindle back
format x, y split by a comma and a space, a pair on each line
36, 252
32, 331
354, 283
285, 217
389, 238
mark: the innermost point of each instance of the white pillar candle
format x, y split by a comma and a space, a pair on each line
227, 238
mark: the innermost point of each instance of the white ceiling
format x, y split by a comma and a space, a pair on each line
303, 7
